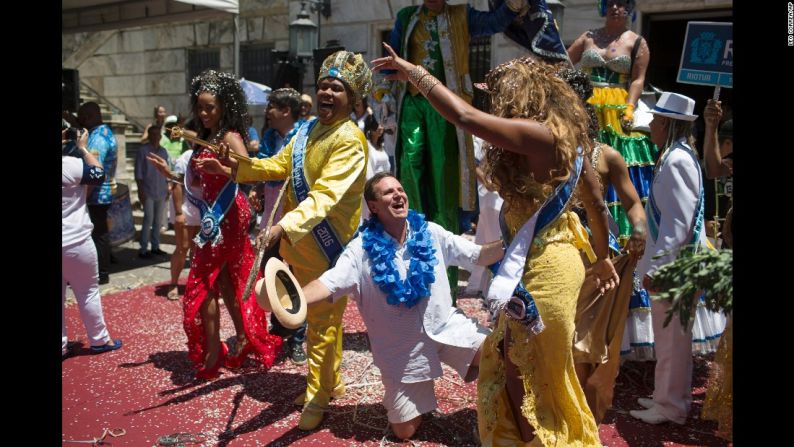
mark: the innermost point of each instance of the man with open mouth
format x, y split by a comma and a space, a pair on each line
326, 165
395, 272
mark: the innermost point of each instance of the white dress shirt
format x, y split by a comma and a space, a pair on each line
402, 338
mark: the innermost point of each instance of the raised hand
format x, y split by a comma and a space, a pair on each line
223, 152
393, 62
212, 166
712, 114
159, 163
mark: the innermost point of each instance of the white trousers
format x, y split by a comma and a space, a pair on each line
79, 265
487, 231
672, 391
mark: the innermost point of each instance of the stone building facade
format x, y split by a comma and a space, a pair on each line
136, 68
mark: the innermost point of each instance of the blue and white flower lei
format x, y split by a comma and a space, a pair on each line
382, 250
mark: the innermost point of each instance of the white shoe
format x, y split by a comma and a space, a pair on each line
650, 416
645, 402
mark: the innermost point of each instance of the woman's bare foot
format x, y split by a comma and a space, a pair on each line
173, 292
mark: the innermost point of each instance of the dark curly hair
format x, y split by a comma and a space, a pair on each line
580, 83
225, 88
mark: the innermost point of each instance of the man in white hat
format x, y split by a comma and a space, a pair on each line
395, 270
675, 220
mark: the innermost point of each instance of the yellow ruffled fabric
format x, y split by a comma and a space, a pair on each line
554, 403
610, 102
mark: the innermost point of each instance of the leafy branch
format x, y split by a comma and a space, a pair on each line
684, 280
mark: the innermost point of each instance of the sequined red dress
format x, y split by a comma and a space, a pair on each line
236, 252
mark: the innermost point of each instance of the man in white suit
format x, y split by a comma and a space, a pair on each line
675, 220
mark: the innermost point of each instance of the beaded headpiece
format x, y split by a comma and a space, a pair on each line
349, 68
226, 88
579, 81
495, 73
629, 4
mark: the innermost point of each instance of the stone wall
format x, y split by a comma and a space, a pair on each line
137, 68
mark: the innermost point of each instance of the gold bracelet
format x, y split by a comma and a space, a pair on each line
416, 74
427, 83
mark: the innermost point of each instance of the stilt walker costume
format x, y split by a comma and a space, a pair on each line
435, 160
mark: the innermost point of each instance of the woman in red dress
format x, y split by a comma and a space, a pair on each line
224, 255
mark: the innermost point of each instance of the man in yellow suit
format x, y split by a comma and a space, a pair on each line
326, 162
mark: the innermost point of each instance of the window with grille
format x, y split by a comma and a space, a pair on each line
256, 63
479, 64
200, 60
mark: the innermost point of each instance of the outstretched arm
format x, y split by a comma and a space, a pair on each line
491, 253
523, 136
315, 292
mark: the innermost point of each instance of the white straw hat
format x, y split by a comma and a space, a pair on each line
279, 292
675, 106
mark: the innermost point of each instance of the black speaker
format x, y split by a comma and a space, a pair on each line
70, 89
321, 53
288, 74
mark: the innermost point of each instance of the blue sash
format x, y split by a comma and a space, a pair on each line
652, 210
323, 232
268, 147
211, 215
550, 211
613, 241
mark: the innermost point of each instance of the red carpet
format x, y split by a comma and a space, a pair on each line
147, 388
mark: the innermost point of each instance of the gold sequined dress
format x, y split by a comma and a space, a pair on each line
554, 403
718, 405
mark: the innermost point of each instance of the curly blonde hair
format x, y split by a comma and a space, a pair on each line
523, 88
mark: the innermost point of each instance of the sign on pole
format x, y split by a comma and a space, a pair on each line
707, 58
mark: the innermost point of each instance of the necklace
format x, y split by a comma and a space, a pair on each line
603, 39
382, 250
217, 137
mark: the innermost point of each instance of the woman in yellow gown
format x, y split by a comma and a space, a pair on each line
534, 132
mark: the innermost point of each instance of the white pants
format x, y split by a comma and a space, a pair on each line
487, 231
79, 265
672, 391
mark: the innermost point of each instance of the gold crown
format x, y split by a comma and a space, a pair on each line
349, 68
